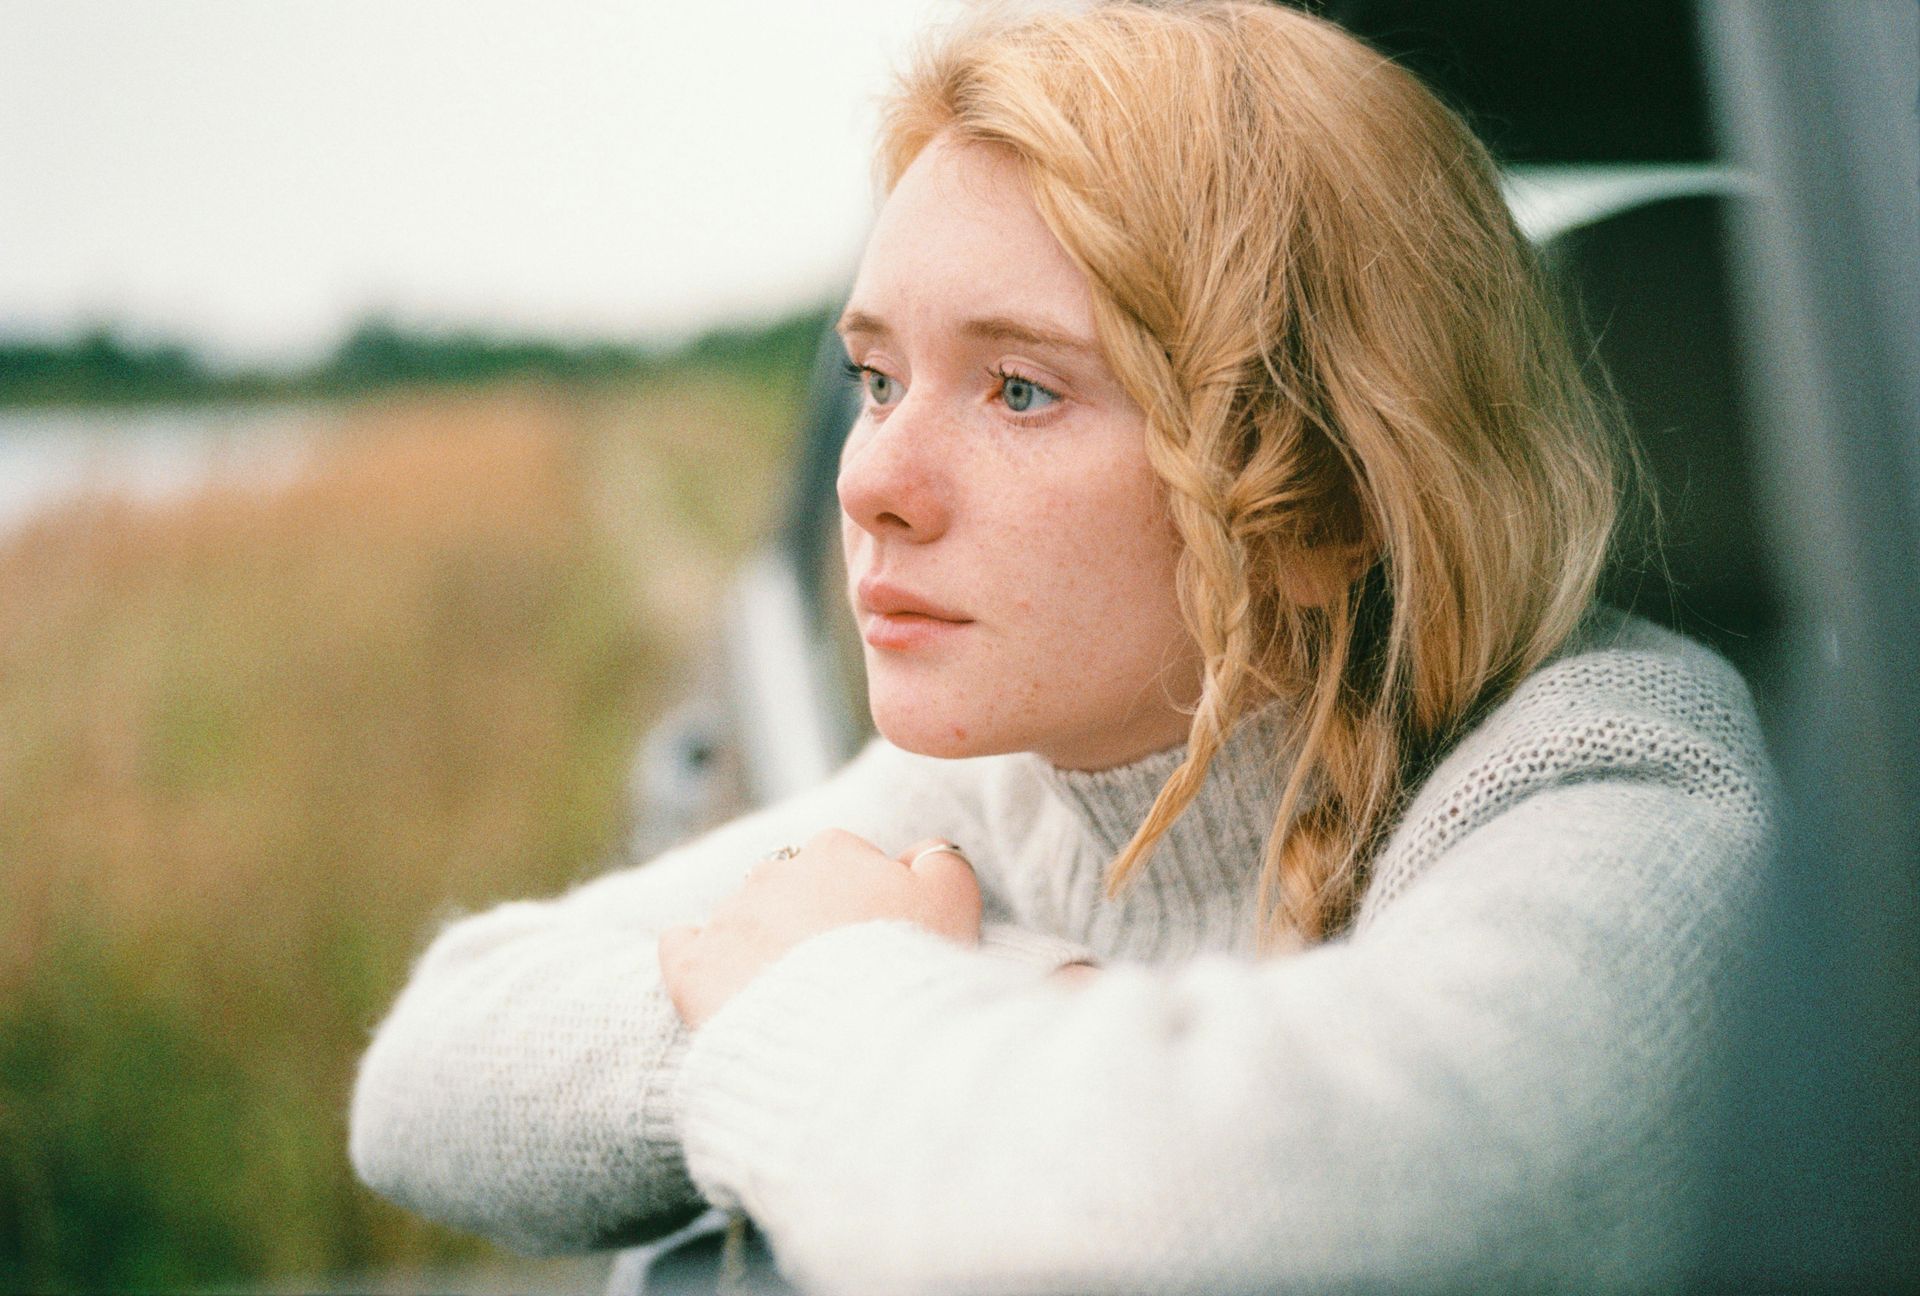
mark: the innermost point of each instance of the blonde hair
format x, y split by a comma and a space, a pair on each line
1304, 273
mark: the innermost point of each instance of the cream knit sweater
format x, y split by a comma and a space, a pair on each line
1489, 1082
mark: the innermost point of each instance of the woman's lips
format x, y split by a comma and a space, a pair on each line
908, 629
898, 618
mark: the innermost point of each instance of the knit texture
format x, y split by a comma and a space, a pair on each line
1489, 1081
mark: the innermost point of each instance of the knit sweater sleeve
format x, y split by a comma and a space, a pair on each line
1484, 1087
521, 1086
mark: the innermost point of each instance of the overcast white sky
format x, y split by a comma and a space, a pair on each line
252, 175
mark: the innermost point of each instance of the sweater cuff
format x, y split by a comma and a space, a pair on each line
773, 1054
1033, 949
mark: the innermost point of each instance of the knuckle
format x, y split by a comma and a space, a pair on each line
827, 839
952, 870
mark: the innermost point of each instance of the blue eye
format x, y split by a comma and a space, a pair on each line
1023, 394
879, 388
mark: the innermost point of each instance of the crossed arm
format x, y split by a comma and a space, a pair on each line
522, 1086
1485, 1086
838, 880
1489, 1088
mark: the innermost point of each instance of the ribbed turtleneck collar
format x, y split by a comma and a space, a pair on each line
1242, 788
1199, 882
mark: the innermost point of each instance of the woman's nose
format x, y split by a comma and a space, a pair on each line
891, 483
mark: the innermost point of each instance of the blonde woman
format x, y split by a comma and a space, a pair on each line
1275, 872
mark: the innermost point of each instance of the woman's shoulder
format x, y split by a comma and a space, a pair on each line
1621, 663
1621, 694
1624, 700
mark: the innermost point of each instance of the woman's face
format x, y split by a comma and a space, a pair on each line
1008, 554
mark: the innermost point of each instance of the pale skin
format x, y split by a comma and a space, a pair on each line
998, 476
1010, 558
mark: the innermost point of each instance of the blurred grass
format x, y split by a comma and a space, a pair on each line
253, 742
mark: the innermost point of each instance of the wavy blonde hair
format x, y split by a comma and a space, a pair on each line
1304, 273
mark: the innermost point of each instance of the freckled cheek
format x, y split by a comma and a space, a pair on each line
1085, 564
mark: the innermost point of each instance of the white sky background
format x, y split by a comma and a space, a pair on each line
253, 175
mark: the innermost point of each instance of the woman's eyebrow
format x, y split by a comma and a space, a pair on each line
1000, 328
859, 322
992, 328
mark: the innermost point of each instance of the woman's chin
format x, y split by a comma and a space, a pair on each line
929, 730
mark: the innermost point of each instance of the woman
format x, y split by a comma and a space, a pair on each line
1339, 896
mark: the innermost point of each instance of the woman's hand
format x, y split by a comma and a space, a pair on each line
836, 880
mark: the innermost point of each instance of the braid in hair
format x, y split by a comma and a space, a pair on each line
1305, 274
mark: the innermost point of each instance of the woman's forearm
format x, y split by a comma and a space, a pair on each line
521, 1087
1483, 1090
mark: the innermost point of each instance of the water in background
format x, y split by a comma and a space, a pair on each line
49, 456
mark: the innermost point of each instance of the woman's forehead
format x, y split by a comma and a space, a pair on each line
960, 241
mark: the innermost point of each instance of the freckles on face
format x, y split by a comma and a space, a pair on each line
1008, 550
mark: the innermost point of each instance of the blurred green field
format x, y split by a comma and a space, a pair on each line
254, 742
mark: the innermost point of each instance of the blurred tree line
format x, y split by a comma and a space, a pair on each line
108, 365
258, 739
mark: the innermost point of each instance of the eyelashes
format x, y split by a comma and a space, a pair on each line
1016, 392
865, 377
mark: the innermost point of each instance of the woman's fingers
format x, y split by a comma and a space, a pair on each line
838, 879
932, 847
837, 842
1075, 973
673, 946
941, 865
953, 892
